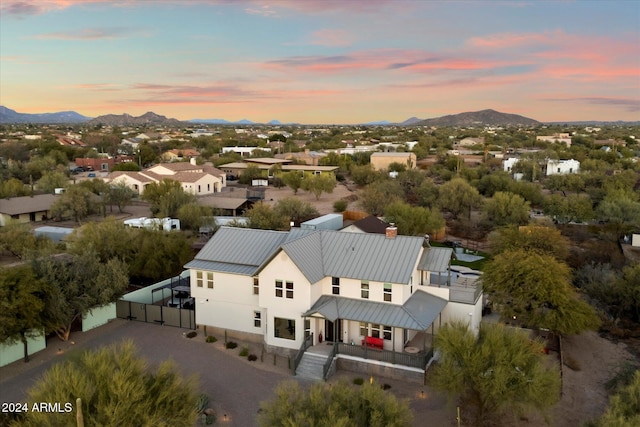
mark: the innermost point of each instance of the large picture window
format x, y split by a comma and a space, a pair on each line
284, 328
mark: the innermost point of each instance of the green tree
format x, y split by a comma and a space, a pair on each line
119, 194
159, 255
249, 174
295, 209
76, 202
531, 238
375, 197
127, 166
293, 180
458, 197
336, 405
364, 174
13, 187
414, 221
51, 180
535, 289
621, 209
166, 197
192, 216
506, 208
18, 239
22, 303
117, 388
489, 184
77, 285
262, 216
500, 371
318, 184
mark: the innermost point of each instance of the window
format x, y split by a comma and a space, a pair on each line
208, 187
290, 290
375, 330
279, 288
257, 319
364, 290
209, 279
199, 279
284, 328
387, 292
335, 285
198, 188
307, 328
256, 286
363, 329
387, 332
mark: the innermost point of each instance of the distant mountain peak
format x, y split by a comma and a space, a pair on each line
128, 120
488, 117
7, 115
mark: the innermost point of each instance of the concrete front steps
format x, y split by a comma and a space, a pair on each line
311, 366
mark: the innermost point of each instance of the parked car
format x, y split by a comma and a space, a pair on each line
92, 175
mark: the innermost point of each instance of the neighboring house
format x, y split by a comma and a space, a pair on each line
243, 151
561, 167
509, 163
286, 289
381, 161
235, 169
559, 138
470, 142
104, 164
195, 179
177, 155
370, 224
26, 209
307, 157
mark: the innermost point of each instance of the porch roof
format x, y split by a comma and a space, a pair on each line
418, 313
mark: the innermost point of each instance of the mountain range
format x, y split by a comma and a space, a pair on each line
473, 118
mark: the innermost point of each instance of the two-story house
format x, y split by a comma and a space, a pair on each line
368, 294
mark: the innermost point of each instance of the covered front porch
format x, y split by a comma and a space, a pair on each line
362, 331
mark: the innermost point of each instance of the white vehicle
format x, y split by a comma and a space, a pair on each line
166, 224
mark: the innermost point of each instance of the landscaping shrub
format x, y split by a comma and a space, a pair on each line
231, 345
386, 386
211, 338
192, 334
572, 363
252, 358
244, 352
340, 205
358, 381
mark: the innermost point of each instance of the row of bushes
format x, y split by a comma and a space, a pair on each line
230, 345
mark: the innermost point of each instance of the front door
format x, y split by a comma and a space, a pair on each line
333, 330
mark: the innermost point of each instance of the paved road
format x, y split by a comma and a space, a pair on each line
234, 385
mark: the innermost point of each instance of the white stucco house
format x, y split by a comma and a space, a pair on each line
561, 167
196, 179
379, 298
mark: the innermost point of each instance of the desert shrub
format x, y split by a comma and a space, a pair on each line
340, 205
252, 358
358, 381
386, 386
192, 334
244, 352
211, 338
231, 345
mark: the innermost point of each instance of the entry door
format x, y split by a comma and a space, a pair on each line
330, 332
328, 328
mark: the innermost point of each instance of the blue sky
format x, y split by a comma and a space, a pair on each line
322, 61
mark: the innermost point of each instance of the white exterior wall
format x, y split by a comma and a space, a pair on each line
468, 313
213, 183
229, 305
99, 316
562, 167
282, 268
132, 183
635, 240
509, 163
11, 352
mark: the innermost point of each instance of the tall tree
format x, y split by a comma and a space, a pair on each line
414, 221
22, 303
119, 194
535, 289
537, 238
77, 285
18, 239
77, 202
117, 387
295, 209
336, 405
318, 184
506, 208
499, 371
293, 180
166, 197
264, 217
458, 197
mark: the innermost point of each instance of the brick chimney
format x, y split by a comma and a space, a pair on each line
391, 231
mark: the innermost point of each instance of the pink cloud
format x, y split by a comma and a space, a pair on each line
511, 40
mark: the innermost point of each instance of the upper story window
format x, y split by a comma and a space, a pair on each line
335, 285
209, 279
290, 290
256, 286
199, 280
364, 289
387, 292
279, 288
257, 319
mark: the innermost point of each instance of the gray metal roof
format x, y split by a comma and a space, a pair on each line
239, 250
223, 267
417, 313
355, 255
435, 259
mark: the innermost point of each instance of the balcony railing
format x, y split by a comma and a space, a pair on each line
308, 341
418, 360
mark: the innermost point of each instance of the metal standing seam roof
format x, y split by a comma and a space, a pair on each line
435, 259
418, 313
240, 247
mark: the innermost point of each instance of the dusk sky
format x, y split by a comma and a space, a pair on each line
325, 61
